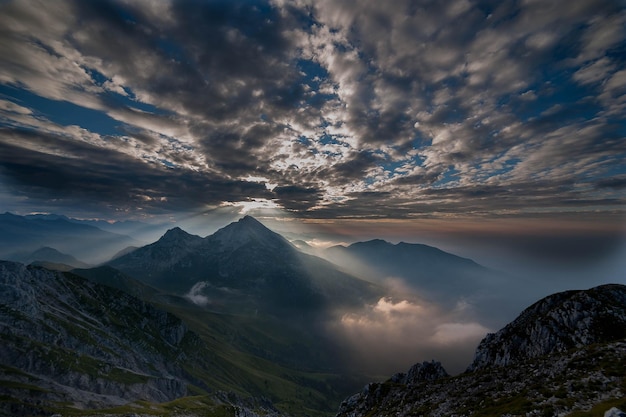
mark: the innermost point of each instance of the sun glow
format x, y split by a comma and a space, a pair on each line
254, 205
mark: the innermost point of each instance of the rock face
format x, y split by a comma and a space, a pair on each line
420, 372
556, 324
374, 394
63, 338
564, 353
615, 412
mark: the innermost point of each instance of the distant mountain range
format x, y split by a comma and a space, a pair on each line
433, 274
124, 227
422, 267
22, 235
563, 354
47, 255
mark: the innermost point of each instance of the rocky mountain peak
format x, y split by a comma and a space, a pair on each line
420, 372
177, 236
557, 323
247, 230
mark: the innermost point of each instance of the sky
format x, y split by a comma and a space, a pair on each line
493, 120
492, 129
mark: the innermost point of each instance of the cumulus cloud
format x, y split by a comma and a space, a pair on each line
391, 335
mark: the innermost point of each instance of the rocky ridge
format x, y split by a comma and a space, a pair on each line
64, 338
557, 323
565, 353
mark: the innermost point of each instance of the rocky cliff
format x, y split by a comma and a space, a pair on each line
565, 353
556, 324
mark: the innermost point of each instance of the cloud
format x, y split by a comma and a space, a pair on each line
341, 105
391, 335
144, 185
195, 294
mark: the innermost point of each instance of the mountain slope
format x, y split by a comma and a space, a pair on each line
77, 341
557, 324
69, 343
574, 358
110, 277
244, 267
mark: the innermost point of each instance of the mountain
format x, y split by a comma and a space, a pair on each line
556, 324
420, 265
69, 340
50, 255
433, 274
244, 267
21, 234
564, 354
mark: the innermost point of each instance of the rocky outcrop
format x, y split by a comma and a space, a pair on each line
420, 372
566, 352
553, 385
615, 412
375, 393
77, 341
557, 323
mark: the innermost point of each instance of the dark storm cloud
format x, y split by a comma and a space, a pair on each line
216, 60
426, 178
92, 174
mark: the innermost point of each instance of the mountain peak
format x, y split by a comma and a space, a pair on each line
175, 232
251, 223
178, 235
248, 219
372, 243
246, 230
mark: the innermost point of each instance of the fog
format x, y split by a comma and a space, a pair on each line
447, 325
391, 335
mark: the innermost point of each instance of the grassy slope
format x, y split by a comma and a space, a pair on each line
261, 357
250, 356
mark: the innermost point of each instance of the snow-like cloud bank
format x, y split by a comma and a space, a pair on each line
393, 335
